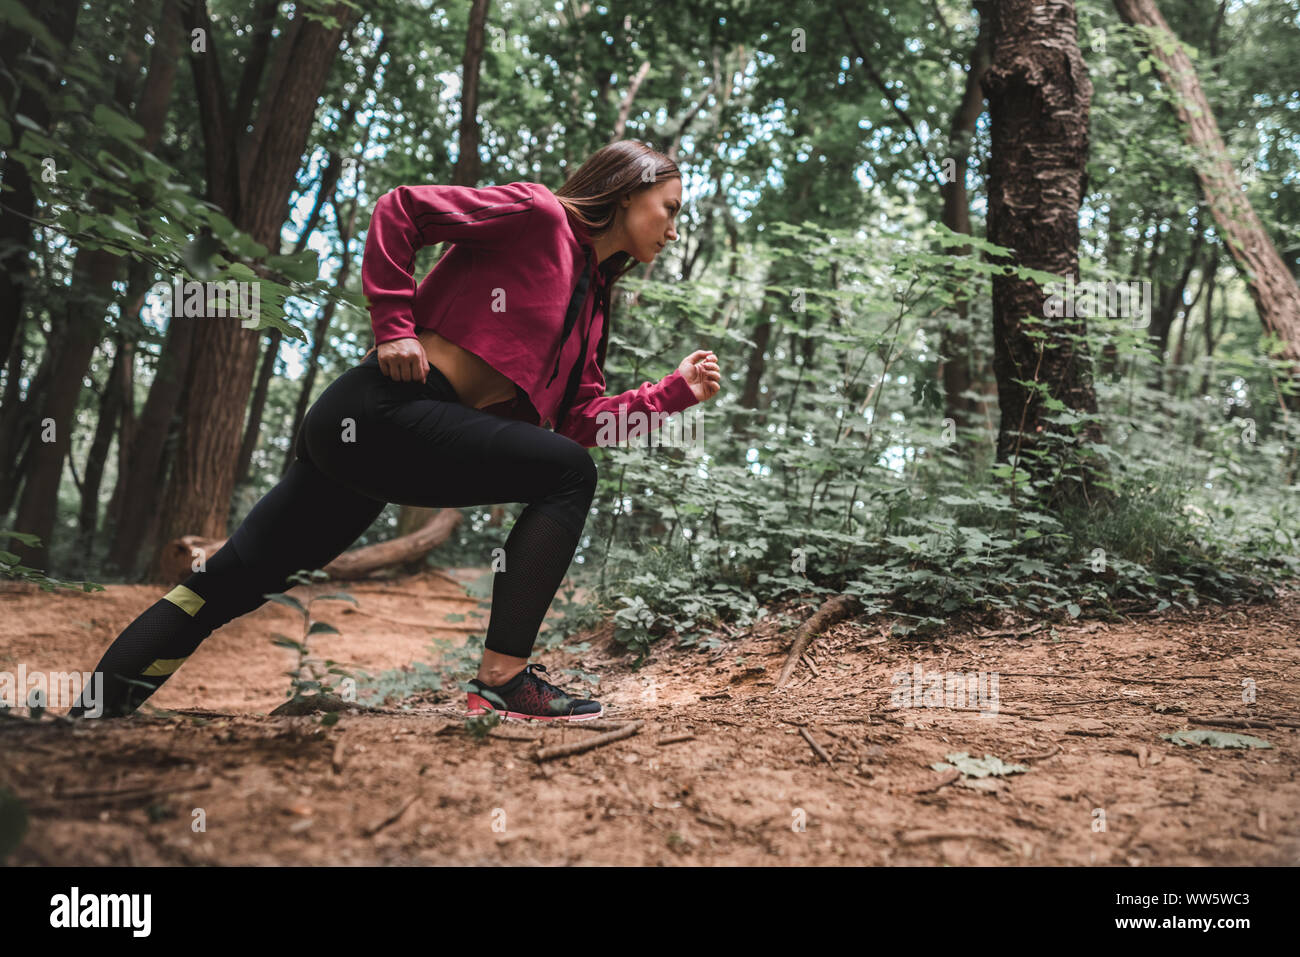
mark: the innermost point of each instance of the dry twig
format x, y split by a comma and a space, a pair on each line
565, 750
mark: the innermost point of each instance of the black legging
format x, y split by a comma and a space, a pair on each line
367, 441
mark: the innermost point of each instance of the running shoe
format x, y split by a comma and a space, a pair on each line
528, 697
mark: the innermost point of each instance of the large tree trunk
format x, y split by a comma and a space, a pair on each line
250, 177
1039, 97
1271, 284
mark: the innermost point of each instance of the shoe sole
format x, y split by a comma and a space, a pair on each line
479, 706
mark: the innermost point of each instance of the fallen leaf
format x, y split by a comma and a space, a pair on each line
1215, 739
978, 767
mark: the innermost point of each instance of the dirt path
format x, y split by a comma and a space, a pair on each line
413, 787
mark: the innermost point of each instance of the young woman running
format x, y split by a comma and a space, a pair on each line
447, 411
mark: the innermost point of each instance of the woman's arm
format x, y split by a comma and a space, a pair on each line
410, 217
593, 410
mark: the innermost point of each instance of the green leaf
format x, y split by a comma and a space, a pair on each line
321, 628
116, 125
1073, 609
340, 596
282, 599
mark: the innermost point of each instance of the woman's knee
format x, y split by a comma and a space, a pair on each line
579, 466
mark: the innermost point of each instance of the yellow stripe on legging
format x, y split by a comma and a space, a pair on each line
186, 600
164, 666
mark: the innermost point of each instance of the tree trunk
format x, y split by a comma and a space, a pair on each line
253, 430
250, 177
1166, 311
1273, 288
467, 163
954, 344
137, 486
60, 19
18, 431
1039, 98
110, 407
93, 272
114, 406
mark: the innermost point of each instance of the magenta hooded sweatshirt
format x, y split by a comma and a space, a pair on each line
503, 291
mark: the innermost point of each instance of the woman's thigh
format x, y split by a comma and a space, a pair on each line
401, 443
305, 521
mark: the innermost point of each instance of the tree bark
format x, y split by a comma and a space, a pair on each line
1271, 284
93, 272
1039, 97
250, 178
467, 162
320, 334
110, 408
60, 18
1162, 320
954, 344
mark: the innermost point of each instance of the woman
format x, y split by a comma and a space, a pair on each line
446, 411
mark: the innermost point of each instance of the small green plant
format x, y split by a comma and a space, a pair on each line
160, 812
479, 726
310, 675
11, 566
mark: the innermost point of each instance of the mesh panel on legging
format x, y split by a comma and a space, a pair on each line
538, 552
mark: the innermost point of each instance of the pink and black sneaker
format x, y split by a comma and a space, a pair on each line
529, 697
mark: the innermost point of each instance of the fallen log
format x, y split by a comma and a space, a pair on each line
180, 554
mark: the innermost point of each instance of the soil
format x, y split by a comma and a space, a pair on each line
723, 769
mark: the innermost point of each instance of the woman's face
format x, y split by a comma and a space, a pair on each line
648, 219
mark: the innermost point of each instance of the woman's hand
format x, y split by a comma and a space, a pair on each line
700, 370
403, 360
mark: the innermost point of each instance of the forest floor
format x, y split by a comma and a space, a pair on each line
825, 771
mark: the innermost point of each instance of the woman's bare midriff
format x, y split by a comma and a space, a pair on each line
477, 384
